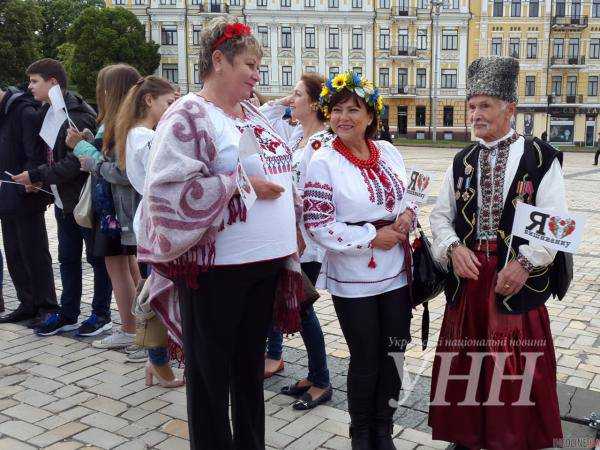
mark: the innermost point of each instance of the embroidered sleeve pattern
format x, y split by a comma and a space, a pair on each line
525, 263
319, 209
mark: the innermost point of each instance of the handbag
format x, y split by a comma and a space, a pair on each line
150, 332
83, 212
311, 295
426, 280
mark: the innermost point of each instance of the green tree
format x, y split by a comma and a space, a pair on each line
19, 20
107, 36
58, 16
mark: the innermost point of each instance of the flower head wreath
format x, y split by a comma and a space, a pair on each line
232, 30
354, 83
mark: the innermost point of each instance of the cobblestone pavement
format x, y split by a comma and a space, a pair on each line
60, 393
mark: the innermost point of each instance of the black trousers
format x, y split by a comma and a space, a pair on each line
29, 262
596, 156
225, 325
374, 327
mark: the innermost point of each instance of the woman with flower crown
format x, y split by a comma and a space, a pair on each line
222, 265
354, 207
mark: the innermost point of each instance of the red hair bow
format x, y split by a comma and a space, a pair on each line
232, 30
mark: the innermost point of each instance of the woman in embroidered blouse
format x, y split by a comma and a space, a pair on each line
354, 208
309, 134
225, 261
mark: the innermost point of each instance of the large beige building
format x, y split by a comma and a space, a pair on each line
392, 42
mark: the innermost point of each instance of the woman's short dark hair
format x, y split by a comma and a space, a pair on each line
313, 82
343, 95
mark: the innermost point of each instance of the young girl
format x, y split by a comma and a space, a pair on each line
140, 112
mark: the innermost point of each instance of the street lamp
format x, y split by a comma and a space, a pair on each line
435, 10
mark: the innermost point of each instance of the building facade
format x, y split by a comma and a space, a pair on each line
394, 43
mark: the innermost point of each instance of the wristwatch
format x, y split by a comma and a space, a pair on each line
451, 248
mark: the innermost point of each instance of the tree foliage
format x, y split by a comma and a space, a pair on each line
107, 36
58, 16
19, 45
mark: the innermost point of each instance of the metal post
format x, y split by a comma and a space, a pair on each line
435, 6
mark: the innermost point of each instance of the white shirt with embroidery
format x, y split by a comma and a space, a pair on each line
338, 194
269, 231
550, 194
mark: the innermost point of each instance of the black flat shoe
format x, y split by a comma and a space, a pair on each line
17, 316
306, 401
293, 390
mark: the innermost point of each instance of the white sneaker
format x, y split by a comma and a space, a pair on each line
140, 355
117, 339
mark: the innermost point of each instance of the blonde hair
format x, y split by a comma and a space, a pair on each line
134, 108
118, 80
230, 48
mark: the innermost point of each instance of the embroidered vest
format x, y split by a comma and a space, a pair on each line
535, 162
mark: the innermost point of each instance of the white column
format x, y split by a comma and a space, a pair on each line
345, 30
155, 32
181, 57
462, 65
369, 53
322, 43
297, 52
274, 56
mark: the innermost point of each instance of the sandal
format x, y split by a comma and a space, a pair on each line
306, 401
279, 368
294, 390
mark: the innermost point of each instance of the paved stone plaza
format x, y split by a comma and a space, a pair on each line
60, 393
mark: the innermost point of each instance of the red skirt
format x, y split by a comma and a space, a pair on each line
475, 325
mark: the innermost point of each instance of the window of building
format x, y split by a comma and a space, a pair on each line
558, 49
448, 116
169, 36
357, 71
421, 78
557, 85
139, 2
574, 48
309, 37
286, 3
170, 72
515, 8
357, 38
560, 8
384, 39
309, 3
403, 7
234, 3
422, 39
357, 4
196, 30
514, 47
263, 72
261, 2
384, 4
423, 4
333, 71
119, 2
263, 36
534, 8
450, 4
421, 116
498, 8
532, 48
334, 38
196, 74
529, 86
596, 8
286, 76
572, 85
576, 8
286, 37
333, 3
310, 69
497, 46
402, 80
595, 48
593, 86
403, 41
384, 77
196, 2
449, 40
449, 78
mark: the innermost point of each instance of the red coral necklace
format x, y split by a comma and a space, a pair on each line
370, 163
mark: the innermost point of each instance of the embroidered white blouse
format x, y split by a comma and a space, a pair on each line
551, 194
338, 194
269, 231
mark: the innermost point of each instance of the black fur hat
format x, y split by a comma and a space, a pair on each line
495, 76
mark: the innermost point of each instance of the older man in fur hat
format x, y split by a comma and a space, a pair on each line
494, 375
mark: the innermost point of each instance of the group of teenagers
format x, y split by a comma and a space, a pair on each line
228, 274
